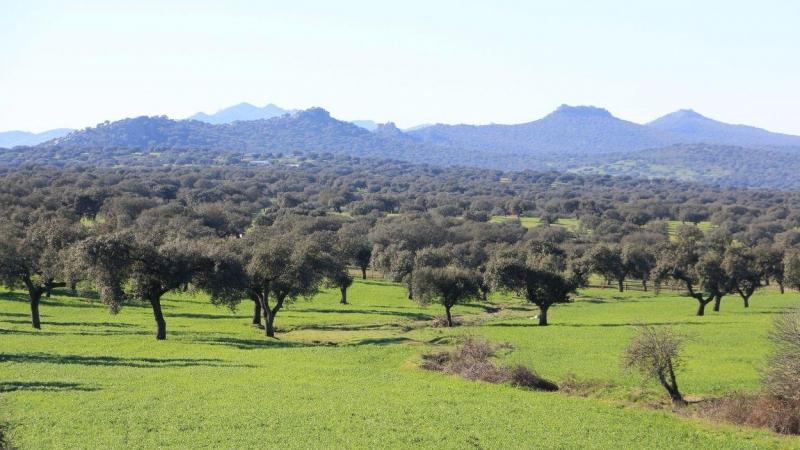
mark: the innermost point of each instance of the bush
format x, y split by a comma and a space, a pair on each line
655, 353
782, 377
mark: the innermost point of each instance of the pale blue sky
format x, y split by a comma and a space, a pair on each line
77, 63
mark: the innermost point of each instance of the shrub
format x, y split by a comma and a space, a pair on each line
655, 353
782, 377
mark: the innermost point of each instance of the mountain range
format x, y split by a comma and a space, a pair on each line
246, 112
683, 144
10, 139
590, 130
241, 112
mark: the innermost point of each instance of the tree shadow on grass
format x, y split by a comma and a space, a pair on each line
522, 308
377, 282
594, 301
74, 302
5, 314
267, 343
348, 327
14, 296
78, 333
491, 309
254, 344
415, 316
142, 363
769, 313
533, 324
96, 332
73, 324
10, 386
380, 341
208, 316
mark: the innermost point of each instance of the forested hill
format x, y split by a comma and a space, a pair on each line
578, 139
572, 130
689, 126
312, 130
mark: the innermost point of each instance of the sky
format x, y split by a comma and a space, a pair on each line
78, 63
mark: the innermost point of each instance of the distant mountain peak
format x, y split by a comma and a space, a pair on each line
316, 113
240, 112
688, 112
683, 114
388, 129
689, 126
9, 139
581, 111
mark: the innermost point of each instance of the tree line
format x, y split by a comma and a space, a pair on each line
275, 235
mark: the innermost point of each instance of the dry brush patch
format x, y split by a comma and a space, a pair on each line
756, 410
778, 406
472, 360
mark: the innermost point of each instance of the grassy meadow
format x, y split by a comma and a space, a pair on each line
572, 223
347, 376
531, 222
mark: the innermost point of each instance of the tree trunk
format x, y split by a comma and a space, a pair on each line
543, 315
746, 301
161, 324
269, 328
449, 317
674, 394
73, 286
344, 295
701, 309
256, 314
780, 285
644, 285
621, 284
35, 295
672, 388
717, 302
363, 273
269, 317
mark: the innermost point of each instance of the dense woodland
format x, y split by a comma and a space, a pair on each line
273, 234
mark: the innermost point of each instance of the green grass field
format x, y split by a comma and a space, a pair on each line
347, 375
673, 225
572, 224
530, 222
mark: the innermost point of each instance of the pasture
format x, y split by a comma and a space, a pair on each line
348, 375
572, 224
531, 222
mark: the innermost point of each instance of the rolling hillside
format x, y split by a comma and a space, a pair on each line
682, 145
